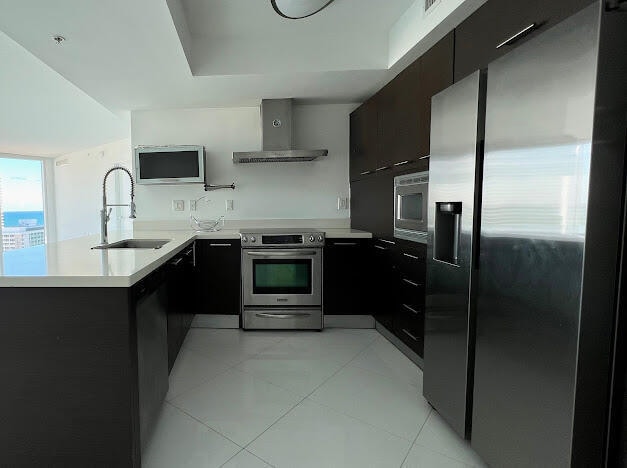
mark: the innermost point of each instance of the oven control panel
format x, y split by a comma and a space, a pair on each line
282, 238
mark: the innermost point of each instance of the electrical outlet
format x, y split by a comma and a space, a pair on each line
178, 205
192, 205
229, 205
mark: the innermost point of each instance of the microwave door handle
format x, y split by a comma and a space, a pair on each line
296, 253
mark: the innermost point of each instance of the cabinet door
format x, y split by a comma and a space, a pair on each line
384, 283
345, 289
399, 118
436, 74
180, 305
477, 38
151, 303
372, 204
218, 265
405, 105
364, 141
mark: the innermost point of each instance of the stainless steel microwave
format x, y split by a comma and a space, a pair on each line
183, 164
411, 193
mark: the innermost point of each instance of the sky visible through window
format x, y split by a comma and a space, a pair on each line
21, 203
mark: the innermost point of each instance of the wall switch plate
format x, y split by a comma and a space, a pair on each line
229, 205
342, 203
178, 205
192, 205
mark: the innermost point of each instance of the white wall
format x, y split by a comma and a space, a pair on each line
78, 188
264, 191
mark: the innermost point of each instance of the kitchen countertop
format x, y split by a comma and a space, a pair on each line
73, 263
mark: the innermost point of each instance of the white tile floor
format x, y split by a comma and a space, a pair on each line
340, 398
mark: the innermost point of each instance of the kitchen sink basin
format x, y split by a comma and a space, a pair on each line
135, 244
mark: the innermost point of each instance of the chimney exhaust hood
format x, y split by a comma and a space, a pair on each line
276, 135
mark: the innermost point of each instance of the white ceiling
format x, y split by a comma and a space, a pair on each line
147, 54
42, 113
233, 37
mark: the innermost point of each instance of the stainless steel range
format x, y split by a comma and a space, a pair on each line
282, 279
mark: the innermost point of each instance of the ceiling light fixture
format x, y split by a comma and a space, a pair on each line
297, 9
58, 39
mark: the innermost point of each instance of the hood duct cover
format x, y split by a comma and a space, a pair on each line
276, 135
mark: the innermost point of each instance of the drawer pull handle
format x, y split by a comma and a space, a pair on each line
282, 316
382, 168
380, 247
411, 309
411, 256
365, 173
387, 241
219, 245
523, 32
345, 243
401, 163
425, 157
410, 282
410, 335
177, 261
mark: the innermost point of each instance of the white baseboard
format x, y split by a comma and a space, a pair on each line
349, 321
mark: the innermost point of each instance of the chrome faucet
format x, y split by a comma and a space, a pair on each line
106, 215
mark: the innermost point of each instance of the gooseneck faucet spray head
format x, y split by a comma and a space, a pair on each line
133, 214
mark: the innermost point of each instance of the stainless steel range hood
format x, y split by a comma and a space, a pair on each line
276, 135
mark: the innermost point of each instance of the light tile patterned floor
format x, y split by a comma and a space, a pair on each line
339, 398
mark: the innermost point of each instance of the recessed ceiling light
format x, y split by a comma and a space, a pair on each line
58, 39
296, 9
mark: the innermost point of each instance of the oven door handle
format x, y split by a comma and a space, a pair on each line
281, 316
295, 253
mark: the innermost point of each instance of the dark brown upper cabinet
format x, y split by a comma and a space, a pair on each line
405, 105
398, 117
505, 23
364, 139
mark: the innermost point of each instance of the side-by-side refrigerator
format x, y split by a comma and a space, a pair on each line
526, 201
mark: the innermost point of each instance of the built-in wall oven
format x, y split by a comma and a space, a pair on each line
410, 206
282, 279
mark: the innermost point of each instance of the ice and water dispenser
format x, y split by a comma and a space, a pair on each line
448, 220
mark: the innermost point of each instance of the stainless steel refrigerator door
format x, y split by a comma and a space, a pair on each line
539, 111
448, 348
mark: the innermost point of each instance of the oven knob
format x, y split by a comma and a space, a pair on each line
320, 238
312, 238
244, 239
252, 239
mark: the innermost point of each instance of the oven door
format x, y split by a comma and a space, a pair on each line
282, 277
410, 207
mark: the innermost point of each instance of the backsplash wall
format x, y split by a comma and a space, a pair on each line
263, 191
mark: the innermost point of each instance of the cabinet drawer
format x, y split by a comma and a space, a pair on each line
409, 328
412, 266
412, 294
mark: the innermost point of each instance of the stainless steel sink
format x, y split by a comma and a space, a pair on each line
135, 244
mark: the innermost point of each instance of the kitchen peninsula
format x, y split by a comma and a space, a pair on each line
89, 338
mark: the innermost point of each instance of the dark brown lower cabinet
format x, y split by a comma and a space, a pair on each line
84, 371
345, 278
181, 303
398, 273
218, 276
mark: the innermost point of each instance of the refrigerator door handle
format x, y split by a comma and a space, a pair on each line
476, 236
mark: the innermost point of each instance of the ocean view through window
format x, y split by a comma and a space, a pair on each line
22, 219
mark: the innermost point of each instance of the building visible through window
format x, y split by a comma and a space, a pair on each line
21, 203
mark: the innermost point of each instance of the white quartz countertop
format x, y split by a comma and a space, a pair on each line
73, 262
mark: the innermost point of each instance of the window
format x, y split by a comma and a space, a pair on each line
22, 219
